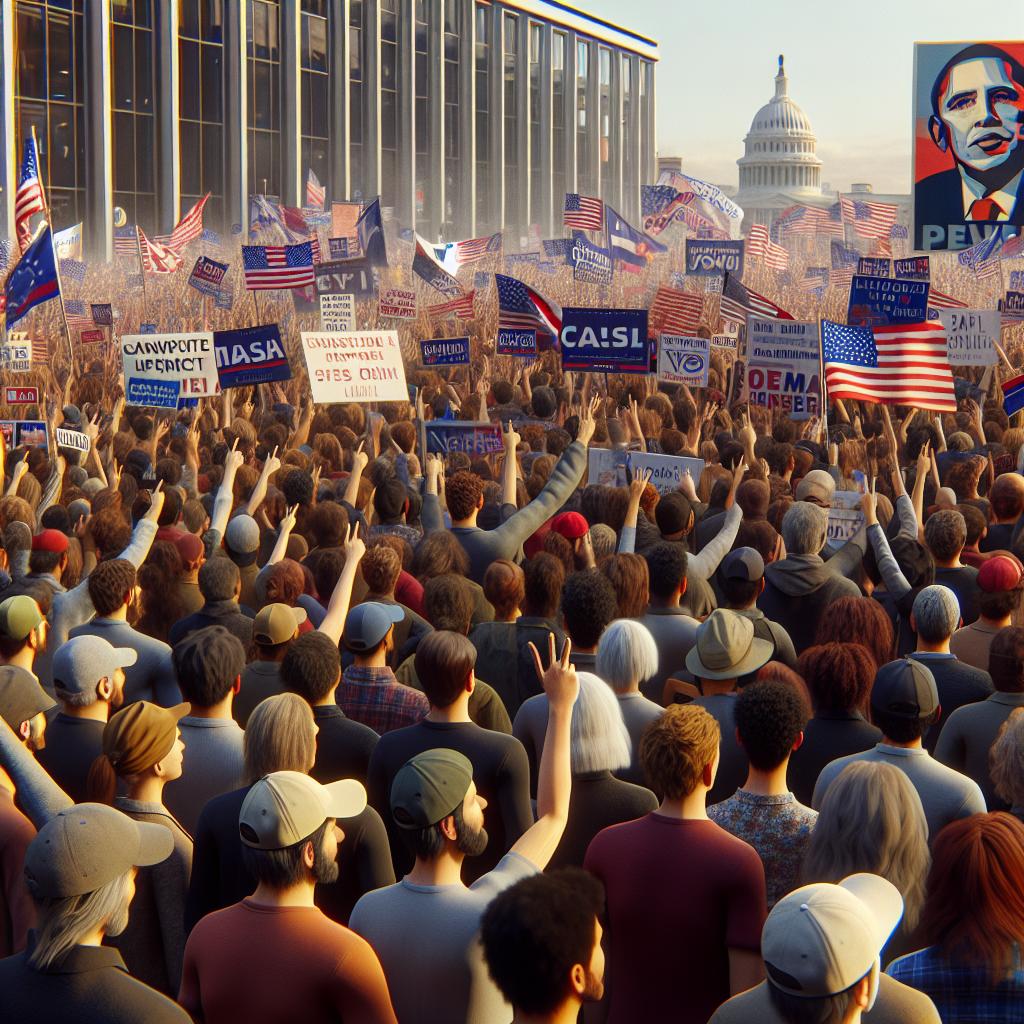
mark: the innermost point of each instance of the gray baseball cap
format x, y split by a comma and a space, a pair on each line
81, 662
429, 786
242, 535
368, 623
743, 564
21, 696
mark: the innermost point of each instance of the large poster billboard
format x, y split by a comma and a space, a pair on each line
968, 142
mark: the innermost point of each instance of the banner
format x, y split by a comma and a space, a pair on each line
188, 359
845, 517
874, 266
683, 360
338, 276
102, 314
879, 301
783, 366
343, 248
399, 303
338, 312
515, 342
714, 259
92, 337
343, 220
1012, 307
612, 340
67, 244
252, 355
447, 436
16, 355
609, 466
971, 336
959, 160
590, 263
207, 275
74, 439
445, 352
21, 396
154, 394
916, 268
355, 366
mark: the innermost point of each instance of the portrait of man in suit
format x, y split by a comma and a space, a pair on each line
977, 120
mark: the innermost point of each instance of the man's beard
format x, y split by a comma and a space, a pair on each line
471, 843
593, 991
325, 869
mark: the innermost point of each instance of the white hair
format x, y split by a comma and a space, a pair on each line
804, 528
626, 654
600, 740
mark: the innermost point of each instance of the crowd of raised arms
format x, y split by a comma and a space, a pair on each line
303, 723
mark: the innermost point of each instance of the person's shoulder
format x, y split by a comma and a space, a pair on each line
941, 185
753, 1005
898, 1001
512, 868
223, 807
372, 907
833, 768
614, 836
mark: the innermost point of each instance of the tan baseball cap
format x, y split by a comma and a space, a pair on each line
284, 808
276, 623
19, 616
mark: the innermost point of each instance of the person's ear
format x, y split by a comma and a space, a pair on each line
739, 739
470, 684
448, 828
104, 688
939, 133
309, 854
578, 979
683, 586
861, 995
236, 686
480, 502
25, 730
708, 775
913, 623
799, 741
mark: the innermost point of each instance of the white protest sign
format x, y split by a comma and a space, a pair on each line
73, 439
16, 353
355, 366
338, 312
398, 302
188, 358
683, 360
728, 342
844, 517
608, 466
782, 365
971, 335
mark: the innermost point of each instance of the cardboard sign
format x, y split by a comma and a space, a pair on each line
338, 312
16, 356
252, 355
609, 466
338, 276
102, 314
713, 259
445, 352
683, 360
782, 368
28, 433
728, 342
971, 336
916, 268
73, 439
188, 358
207, 275
343, 248
874, 266
845, 517
92, 337
880, 301
355, 366
155, 394
516, 342
399, 303
1012, 307
446, 436
612, 340
21, 396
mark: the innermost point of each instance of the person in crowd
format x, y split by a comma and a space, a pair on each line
1000, 586
1006, 499
220, 583
770, 719
381, 568
945, 535
23, 631
1006, 759
274, 628
852, 620
717, 890
904, 704
241, 544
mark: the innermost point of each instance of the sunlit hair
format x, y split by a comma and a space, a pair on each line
630, 578
676, 747
280, 736
975, 908
871, 819
626, 654
599, 738
853, 620
839, 676
1006, 760
504, 586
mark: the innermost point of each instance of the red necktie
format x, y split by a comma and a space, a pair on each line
985, 209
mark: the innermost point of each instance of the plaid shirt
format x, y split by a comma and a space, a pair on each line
963, 993
374, 697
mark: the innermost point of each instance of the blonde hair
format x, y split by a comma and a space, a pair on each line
599, 738
1006, 760
676, 747
280, 736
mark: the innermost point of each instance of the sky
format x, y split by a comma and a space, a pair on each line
850, 69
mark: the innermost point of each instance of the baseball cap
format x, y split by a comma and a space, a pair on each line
81, 662
140, 735
673, 513
189, 546
429, 786
50, 540
72, 414
822, 939
999, 574
19, 616
726, 647
367, 624
905, 688
21, 696
570, 525
283, 808
276, 623
743, 564
242, 535
85, 847
816, 486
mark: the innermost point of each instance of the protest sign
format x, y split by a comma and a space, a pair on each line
874, 266
1016, 281
252, 355
188, 358
612, 340
225, 298
146, 327
878, 301
608, 466
338, 276
21, 396
67, 244
73, 439
727, 342
446, 436
399, 303
516, 342
152, 393
92, 337
343, 219
207, 275
338, 312
29, 433
343, 248
714, 259
916, 268
1012, 307
16, 356
683, 360
971, 336
845, 517
355, 366
590, 263
445, 352
782, 365
102, 314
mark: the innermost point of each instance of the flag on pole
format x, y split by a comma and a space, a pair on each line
34, 280
869, 220
583, 212
522, 308
28, 199
125, 243
315, 192
78, 318
189, 228
461, 307
427, 266
898, 364
629, 244
157, 258
674, 312
984, 257
660, 206
370, 229
473, 249
760, 247
1013, 394
738, 301
278, 266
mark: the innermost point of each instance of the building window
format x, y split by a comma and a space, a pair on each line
388, 98
584, 179
49, 96
356, 117
315, 92
201, 105
483, 123
604, 60
558, 127
421, 75
536, 215
264, 83
452, 135
510, 29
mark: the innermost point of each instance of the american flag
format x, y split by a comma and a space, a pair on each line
870, 220
1013, 247
984, 257
314, 244
124, 241
557, 247
189, 228
900, 364
40, 349
73, 270
761, 247
520, 307
660, 205
806, 220
28, 200
940, 300
815, 279
674, 312
473, 249
78, 318
157, 258
583, 212
882, 247
315, 192
278, 266
462, 307
738, 301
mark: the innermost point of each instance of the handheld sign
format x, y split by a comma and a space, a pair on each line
782, 365
21, 396
971, 336
398, 303
355, 366
713, 259
338, 312
609, 466
516, 342
155, 394
253, 355
187, 358
91, 337
880, 301
446, 436
612, 340
683, 360
73, 439
207, 275
445, 352
29, 433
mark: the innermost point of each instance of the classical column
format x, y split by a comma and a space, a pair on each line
236, 117
496, 125
467, 122
99, 168
569, 154
291, 105
371, 100
434, 214
338, 111
9, 158
168, 179
619, 200
405, 144
545, 215
522, 89
633, 137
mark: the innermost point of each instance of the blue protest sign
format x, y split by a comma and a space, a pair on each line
916, 268
445, 352
1016, 281
207, 275
225, 298
612, 340
343, 248
252, 355
147, 327
445, 436
590, 263
713, 259
29, 433
515, 342
874, 266
878, 301
1012, 307
157, 394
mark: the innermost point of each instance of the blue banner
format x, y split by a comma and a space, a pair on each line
714, 259
207, 275
612, 340
445, 436
445, 352
878, 301
916, 268
874, 266
147, 327
156, 394
252, 355
590, 263
512, 342
1012, 307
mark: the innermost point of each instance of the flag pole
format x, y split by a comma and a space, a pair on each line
142, 269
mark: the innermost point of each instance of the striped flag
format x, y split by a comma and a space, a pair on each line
583, 212
40, 349
28, 199
189, 228
315, 192
815, 279
461, 307
73, 270
520, 307
157, 258
869, 220
278, 266
473, 249
78, 318
738, 301
898, 364
125, 243
940, 300
314, 244
1013, 394
760, 247
674, 312
983, 258
1013, 247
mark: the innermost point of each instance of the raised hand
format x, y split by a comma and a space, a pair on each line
559, 679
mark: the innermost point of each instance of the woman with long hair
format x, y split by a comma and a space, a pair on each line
852, 620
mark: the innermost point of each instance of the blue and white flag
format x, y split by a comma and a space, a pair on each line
370, 229
629, 244
34, 280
